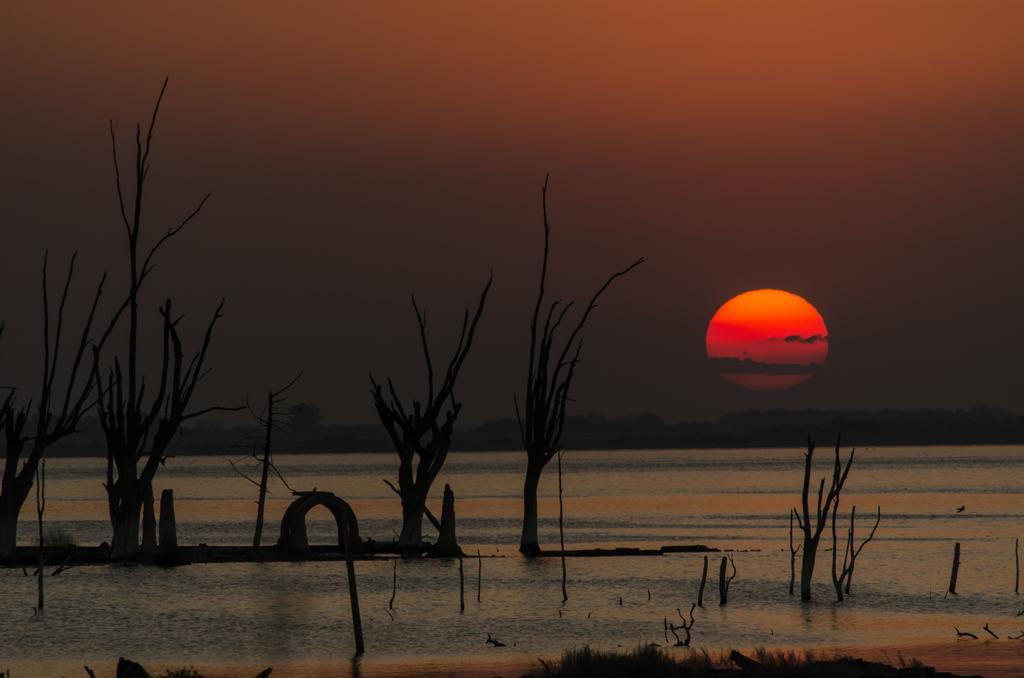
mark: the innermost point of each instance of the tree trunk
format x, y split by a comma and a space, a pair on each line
11, 502
261, 503
447, 545
807, 570
411, 539
149, 542
125, 541
837, 581
168, 525
529, 544
8, 531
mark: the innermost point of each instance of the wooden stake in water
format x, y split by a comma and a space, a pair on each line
462, 589
1016, 557
956, 569
353, 594
479, 573
394, 584
561, 527
703, 581
40, 507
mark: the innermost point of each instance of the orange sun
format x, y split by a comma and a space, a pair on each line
767, 340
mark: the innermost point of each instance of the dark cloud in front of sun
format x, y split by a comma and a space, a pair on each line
813, 339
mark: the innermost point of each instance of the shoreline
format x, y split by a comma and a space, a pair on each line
201, 554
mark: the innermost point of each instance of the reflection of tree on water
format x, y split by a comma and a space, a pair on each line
286, 611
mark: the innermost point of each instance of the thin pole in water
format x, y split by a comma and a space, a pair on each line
40, 508
353, 594
462, 589
703, 582
394, 584
1016, 557
561, 527
956, 569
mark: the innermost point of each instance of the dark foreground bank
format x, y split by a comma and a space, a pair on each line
653, 662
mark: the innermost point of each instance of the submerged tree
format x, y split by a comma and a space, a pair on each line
842, 577
138, 432
550, 372
422, 435
269, 419
32, 426
825, 507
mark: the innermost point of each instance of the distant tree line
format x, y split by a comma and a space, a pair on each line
308, 432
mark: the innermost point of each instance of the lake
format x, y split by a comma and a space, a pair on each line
238, 618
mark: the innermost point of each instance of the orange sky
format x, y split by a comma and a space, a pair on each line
867, 154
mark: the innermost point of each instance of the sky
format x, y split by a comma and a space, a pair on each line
864, 155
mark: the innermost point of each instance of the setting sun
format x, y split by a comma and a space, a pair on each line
767, 340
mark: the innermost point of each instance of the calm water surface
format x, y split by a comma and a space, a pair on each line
295, 617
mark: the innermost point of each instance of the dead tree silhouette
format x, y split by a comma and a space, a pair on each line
793, 550
422, 436
549, 376
134, 430
56, 409
842, 578
269, 419
812, 532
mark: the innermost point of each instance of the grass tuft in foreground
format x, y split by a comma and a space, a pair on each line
651, 661
646, 660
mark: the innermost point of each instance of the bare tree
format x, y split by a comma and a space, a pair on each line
685, 626
55, 411
724, 581
137, 432
550, 372
422, 435
842, 578
793, 550
826, 504
269, 419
